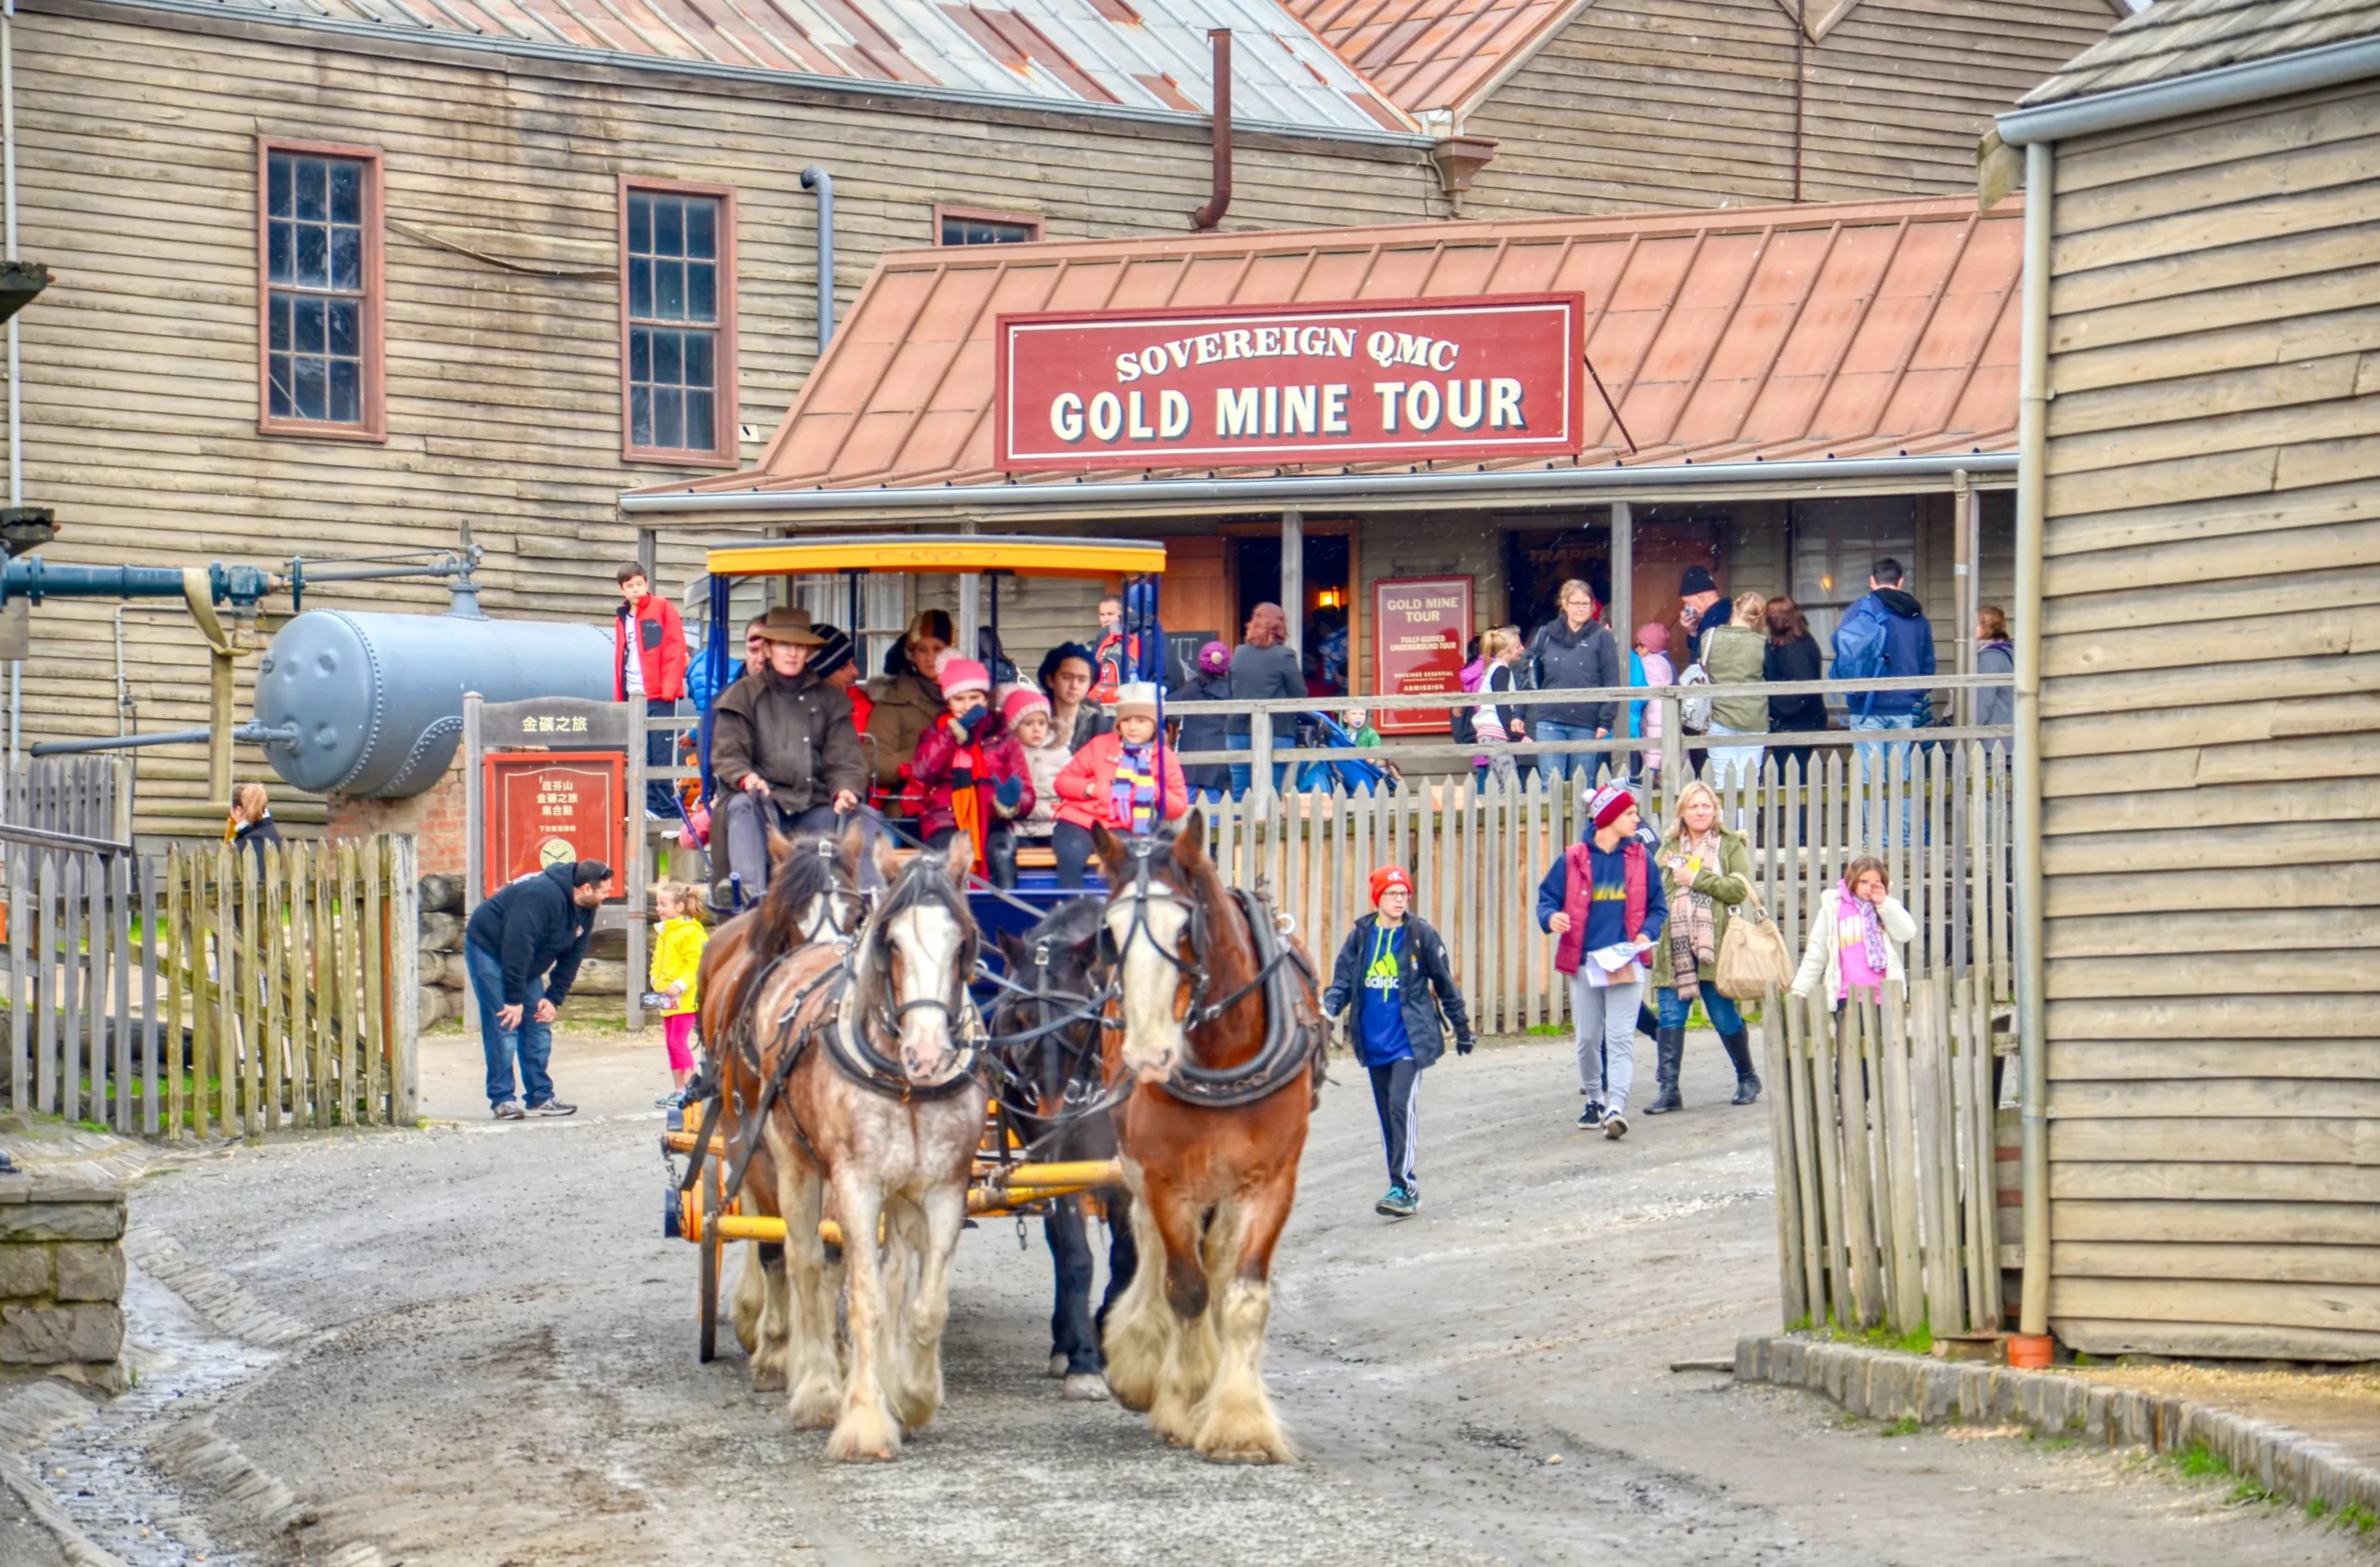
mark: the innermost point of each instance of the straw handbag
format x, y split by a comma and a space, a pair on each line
1753, 959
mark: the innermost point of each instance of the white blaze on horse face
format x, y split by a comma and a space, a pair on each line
1154, 1040
927, 942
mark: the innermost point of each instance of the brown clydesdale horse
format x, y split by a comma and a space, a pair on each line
1222, 1036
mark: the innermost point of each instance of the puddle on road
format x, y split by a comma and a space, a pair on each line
96, 1469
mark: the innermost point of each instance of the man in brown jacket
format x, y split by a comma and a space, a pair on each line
784, 752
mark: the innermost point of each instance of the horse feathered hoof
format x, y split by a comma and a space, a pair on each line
1057, 1363
864, 1435
767, 1378
1240, 1432
814, 1406
1087, 1387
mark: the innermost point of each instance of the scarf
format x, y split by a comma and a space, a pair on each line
966, 804
1871, 926
1693, 927
1131, 796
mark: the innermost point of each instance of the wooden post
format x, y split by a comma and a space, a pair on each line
1623, 608
474, 803
1293, 578
1784, 1143
374, 1035
633, 873
404, 979
1966, 568
150, 1067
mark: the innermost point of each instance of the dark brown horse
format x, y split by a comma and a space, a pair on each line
1221, 1032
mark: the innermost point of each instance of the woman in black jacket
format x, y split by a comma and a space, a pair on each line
1207, 780
251, 826
1793, 655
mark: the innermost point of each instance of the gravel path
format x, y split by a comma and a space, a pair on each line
484, 1356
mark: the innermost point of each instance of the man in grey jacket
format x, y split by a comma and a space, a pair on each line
784, 752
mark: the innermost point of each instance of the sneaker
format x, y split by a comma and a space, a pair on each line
1397, 1204
1615, 1125
552, 1107
671, 1101
508, 1110
1591, 1117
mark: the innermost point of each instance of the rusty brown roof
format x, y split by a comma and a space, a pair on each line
1432, 54
1857, 329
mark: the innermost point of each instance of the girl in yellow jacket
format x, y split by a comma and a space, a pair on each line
677, 958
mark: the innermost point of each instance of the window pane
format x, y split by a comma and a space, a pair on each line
277, 316
347, 257
309, 389
276, 185
345, 327
639, 353
640, 225
640, 416
702, 291
669, 418
702, 229
668, 228
347, 191
313, 180
313, 267
277, 248
670, 290
699, 369
700, 434
668, 367
640, 287
277, 377
306, 332
346, 391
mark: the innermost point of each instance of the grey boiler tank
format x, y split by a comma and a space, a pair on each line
376, 700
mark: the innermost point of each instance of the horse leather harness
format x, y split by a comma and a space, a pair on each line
1293, 1046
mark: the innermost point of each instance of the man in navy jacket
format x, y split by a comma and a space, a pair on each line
521, 949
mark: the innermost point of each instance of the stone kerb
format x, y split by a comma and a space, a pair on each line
62, 1278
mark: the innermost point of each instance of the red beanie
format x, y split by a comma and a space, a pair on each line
1608, 803
1389, 876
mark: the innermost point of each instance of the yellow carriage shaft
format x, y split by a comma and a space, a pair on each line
940, 553
1027, 1183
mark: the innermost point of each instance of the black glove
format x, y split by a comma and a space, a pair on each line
1462, 1043
1008, 794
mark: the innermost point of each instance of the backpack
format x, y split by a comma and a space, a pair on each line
1461, 728
1860, 644
1694, 712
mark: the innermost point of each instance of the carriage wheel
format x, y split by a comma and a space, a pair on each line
708, 1288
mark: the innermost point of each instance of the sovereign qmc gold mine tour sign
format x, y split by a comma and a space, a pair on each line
1409, 380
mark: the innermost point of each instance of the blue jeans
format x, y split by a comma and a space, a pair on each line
531, 1044
1721, 1010
1873, 754
660, 751
1561, 764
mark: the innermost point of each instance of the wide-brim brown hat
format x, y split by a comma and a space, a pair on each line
788, 625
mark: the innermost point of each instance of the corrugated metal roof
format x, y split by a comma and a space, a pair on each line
2176, 38
1861, 329
1432, 54
1130, 54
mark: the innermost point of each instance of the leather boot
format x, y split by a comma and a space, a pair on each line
1671, 1044
1738, 1048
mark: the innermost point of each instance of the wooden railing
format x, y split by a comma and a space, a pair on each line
1476, 849
1883, 1118
196, 993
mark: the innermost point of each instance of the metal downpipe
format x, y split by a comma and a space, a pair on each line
2032, 439
818, 179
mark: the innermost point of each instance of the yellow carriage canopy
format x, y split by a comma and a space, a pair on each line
1016, 554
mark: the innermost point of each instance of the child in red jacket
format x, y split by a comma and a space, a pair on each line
1115, 781
973, 772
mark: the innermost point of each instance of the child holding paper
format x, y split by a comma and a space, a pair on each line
1604, 899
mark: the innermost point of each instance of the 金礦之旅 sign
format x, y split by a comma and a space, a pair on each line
1420, 628
1411, 381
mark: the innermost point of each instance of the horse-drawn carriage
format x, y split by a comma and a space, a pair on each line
874, 1070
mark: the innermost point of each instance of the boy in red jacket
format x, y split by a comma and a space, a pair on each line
649, 665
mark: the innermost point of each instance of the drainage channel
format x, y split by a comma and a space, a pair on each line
99, 1469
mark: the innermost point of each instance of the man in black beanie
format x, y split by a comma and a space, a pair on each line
1698, 616
521, 949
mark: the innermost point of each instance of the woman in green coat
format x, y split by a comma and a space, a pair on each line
1706, 871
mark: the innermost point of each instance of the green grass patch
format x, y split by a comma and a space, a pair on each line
2358, 1517
2316, 1509
2199, 1461
2246, 1492
1556, 1030
1904, 1427
2049, 1444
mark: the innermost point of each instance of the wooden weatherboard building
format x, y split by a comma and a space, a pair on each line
2202, 497
337, 279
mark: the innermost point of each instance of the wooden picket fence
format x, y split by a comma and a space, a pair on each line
1477, 850
192, 994
1884, 1119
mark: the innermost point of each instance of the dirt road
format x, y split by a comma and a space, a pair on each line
501, 1369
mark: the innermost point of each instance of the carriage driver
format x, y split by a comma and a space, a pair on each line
784, 752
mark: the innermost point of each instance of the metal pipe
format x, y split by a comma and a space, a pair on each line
249, 734
123, 686
1219, 198
818, 179
15, 378
1336, 489
2223, 87
2032, 432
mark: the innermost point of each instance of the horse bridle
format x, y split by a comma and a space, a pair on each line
1201, 1012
